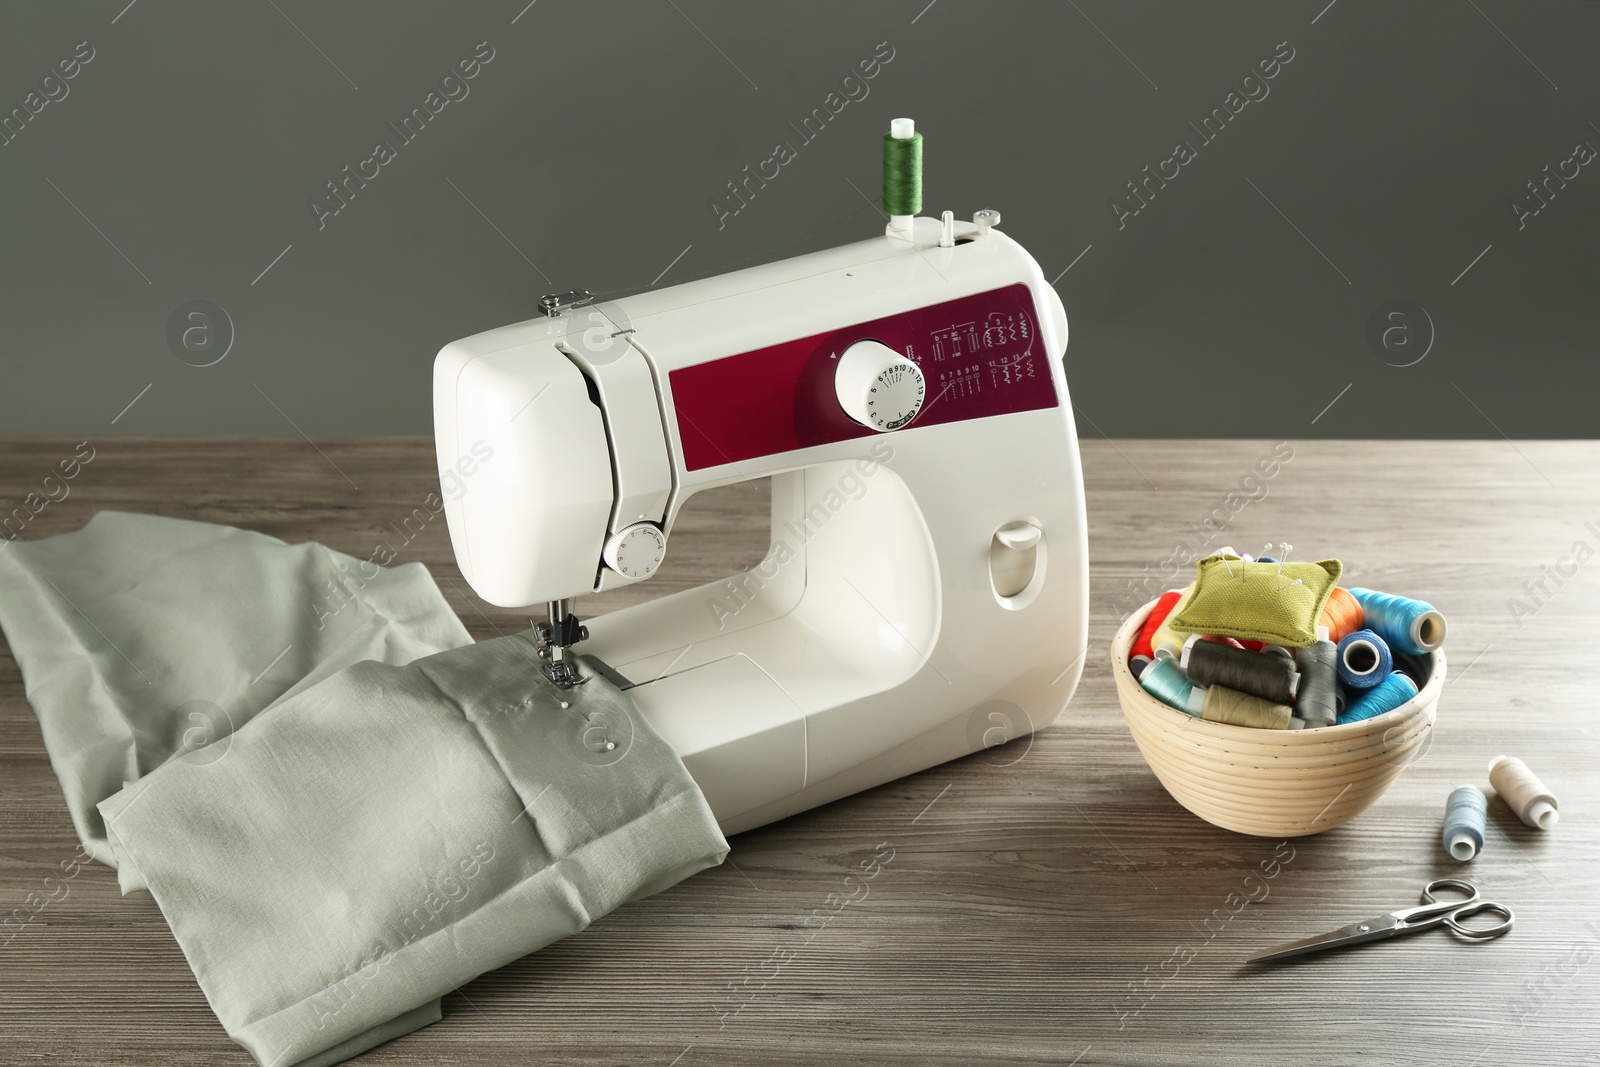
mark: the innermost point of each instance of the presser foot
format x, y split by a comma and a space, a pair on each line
554, 640
562, 672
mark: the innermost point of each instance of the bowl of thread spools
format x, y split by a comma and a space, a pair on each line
1270, 700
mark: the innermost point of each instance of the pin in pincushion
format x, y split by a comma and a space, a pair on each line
1275, 603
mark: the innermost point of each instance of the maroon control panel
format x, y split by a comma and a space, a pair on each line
981, 355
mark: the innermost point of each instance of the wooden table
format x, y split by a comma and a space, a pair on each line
1046, 903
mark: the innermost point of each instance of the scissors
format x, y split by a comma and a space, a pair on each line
1433, 912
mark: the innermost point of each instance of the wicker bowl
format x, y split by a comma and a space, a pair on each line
1272, 783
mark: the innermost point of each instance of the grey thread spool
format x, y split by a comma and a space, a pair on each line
1318, 699
1272, 678
1522, 790
1466, 816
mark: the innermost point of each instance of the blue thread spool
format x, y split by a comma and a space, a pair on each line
1165, 680
1466, 816
1385, 696
1409, 626
1364, 660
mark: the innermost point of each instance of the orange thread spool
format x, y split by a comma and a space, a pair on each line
1342, 615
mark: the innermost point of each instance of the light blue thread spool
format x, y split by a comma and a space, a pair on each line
1165, 680
1364, 660
1386, 696
1466, 816
1409, 626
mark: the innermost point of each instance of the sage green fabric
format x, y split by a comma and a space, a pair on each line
141, 638
374, 841
399, 1026
1258, 601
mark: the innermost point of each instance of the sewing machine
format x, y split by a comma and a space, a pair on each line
926, 590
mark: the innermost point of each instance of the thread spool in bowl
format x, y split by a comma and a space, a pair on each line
1273, 783
1364, 660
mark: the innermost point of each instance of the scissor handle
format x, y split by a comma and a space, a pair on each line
1487, 933
1451, 912
1433, 910
1433, 887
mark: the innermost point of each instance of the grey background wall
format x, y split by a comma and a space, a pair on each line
1380, 163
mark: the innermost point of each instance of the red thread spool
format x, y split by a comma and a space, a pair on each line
1232, 642
1237, 642
1342, 615
1143, 651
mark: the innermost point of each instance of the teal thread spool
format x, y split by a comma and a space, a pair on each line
902, 173
1385, 696
1165, 680
1409, 626
1466, 817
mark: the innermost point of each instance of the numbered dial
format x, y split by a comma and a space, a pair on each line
636, 552
878, 387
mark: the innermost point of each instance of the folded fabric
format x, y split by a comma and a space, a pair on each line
376, 840
140, 638
1275, 603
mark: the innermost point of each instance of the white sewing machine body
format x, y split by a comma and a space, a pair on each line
926, 590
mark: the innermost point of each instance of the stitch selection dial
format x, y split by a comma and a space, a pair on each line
636, 552
878, 387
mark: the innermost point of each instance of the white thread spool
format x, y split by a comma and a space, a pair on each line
1522, 790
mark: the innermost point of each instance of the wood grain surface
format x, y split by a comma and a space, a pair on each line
1046, 902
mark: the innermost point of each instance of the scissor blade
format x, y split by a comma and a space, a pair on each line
1372, 930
